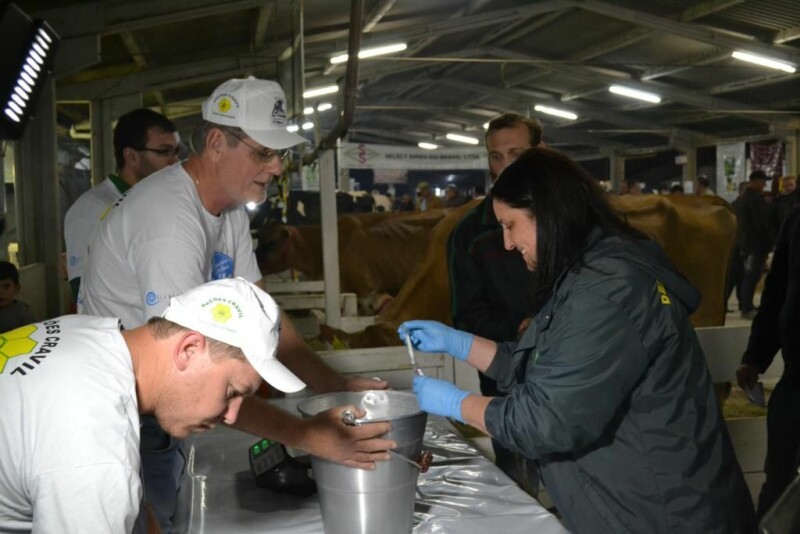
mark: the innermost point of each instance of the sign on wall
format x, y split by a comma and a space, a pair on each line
730, 169
367, 156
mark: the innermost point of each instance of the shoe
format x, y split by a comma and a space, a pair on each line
749, 315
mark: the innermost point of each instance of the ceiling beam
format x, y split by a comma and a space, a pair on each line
140, 54
166, 78
108, 18
703, 9
692, 31
377, 13
450, 26
260, 32
786, 35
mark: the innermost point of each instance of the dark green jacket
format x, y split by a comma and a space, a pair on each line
610, 391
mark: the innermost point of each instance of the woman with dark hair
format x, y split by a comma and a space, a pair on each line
608, 387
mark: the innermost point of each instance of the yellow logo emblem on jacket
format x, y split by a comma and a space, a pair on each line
663, 292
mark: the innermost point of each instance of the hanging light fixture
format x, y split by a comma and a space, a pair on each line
28, 48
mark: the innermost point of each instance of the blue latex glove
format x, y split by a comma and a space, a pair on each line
439, 397
430, 336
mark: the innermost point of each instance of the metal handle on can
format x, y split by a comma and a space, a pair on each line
349, 418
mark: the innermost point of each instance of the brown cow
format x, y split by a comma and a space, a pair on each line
377, 252
697, 233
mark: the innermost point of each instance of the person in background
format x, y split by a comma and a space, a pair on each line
736, 268
485, 278
405, 203
677, 189
783, 203
608, 387
630, 187
754, 240
426, 198
702, 186
74, 388
775, 328
144, 142
452, 197
13, 313
186, 225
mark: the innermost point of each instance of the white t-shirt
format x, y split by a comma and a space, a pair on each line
69, 428
81, 220
157, 242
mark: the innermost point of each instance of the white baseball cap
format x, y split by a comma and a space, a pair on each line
256, 106
236, 312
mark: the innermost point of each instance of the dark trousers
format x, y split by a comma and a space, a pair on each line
735, 272
783, 444
162, 466
753, 269
523, 471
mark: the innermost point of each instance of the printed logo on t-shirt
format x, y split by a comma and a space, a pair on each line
151, 298
73, 261
222, 266
16, 344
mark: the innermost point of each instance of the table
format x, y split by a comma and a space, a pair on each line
462, 493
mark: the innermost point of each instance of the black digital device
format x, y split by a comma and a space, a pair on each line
275, 469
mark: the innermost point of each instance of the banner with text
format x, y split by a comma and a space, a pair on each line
364, 156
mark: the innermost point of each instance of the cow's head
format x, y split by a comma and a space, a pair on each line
272, 249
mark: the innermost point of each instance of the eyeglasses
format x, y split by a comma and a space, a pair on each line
262, 154
163, 152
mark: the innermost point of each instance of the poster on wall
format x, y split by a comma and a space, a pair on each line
730, 169
767, 157
385, 157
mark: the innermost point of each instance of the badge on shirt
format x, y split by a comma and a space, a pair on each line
222, 266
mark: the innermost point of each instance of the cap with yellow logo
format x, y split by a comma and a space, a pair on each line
256, 106
236, 312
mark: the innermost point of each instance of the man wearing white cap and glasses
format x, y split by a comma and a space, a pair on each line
186, 225
73, 389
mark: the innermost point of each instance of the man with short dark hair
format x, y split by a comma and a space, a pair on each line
144, 142
490, 289
755, 239
186, 225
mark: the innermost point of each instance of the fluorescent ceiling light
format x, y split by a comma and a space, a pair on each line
564, 114
308, 125
292, 128
372, 52
322, 107
635, 93
427, 146
462, 139
764, 61
319, 91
